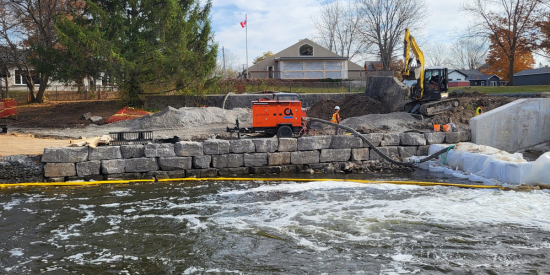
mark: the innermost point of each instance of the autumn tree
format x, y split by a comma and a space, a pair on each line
150, 45
262, 57
497, 60
510, 24
27, 31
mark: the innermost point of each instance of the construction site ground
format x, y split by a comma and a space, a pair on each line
60, 121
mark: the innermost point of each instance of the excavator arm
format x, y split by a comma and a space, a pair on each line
410, 44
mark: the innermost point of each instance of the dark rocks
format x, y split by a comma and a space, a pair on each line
65, 154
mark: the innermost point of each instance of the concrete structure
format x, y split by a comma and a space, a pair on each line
516, 125
306, 60
540, 76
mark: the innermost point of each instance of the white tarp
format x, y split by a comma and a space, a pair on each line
490, 163
294, 66
314, 65
333, 65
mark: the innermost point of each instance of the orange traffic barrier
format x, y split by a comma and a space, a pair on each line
8, 107
126, 113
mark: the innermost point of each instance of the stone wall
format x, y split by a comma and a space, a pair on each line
20, 168
233, 101
230, 158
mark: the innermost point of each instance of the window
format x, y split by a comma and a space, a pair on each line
459, 79
19, 79
306, 50
482, 83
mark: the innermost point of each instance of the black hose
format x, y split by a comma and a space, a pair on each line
355, 133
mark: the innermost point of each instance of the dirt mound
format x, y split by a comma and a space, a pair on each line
350, 106
187, 117
386, 123
468, 106
467, 94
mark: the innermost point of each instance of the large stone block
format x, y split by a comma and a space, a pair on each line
406, 151
188, 149
240, 146
314, 143
388, 90
255, 159
374, 138
65, 154
266, 145
330, 155
133, 151
234, 172
360, 154
304, 157
464, 136
159, 150
266, 170
174, 163
390, 140
202, 173
88, 168
216, 147
113, 166
412, 139
423, 150
289, 169
229, 160
53, 170
141, 165
341, 142
434, 138
202, 162
278, 158
452, 137
287, 145
104, 152
389, 151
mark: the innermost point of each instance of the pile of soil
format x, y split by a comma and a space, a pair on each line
468, 105
350, 106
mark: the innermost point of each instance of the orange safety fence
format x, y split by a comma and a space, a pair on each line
8, 107
126, 113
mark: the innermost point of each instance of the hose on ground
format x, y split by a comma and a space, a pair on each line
355, 133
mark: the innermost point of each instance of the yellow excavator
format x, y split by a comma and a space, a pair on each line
429, 95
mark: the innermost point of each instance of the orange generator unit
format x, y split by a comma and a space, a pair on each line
281, 115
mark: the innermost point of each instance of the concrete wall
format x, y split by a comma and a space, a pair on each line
233, 101
229, 158
519, 124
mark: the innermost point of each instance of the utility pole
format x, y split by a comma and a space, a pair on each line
223, 54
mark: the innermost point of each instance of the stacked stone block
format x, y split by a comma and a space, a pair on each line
229, 158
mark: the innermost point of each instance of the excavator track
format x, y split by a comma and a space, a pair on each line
436, 107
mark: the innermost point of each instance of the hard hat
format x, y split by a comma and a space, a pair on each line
336, 108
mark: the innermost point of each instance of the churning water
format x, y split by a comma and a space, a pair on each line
277, 228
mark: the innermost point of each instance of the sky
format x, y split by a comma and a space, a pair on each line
274, 25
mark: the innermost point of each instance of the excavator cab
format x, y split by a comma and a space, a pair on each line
435, 85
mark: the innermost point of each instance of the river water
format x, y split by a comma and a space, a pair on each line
249, 227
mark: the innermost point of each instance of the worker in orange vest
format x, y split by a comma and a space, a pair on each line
479, 110
336, 118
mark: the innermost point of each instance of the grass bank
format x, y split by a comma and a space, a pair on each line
504, 89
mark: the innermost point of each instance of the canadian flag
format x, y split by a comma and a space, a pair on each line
243, 24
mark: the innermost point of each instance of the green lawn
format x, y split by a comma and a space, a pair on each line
504, 89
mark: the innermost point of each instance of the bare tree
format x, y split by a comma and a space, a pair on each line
337, 28
438, 55
384, 22
28, 32
232, 63
506, 22
469, 53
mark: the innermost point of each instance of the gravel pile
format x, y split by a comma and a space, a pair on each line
392, 122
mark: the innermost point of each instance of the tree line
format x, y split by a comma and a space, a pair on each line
501, 38
143, 46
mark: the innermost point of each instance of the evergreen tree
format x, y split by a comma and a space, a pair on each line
146, 45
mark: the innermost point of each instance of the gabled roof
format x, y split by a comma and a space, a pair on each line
533, 71
476, 75
458, 71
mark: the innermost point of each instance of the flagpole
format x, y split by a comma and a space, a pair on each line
246, 25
